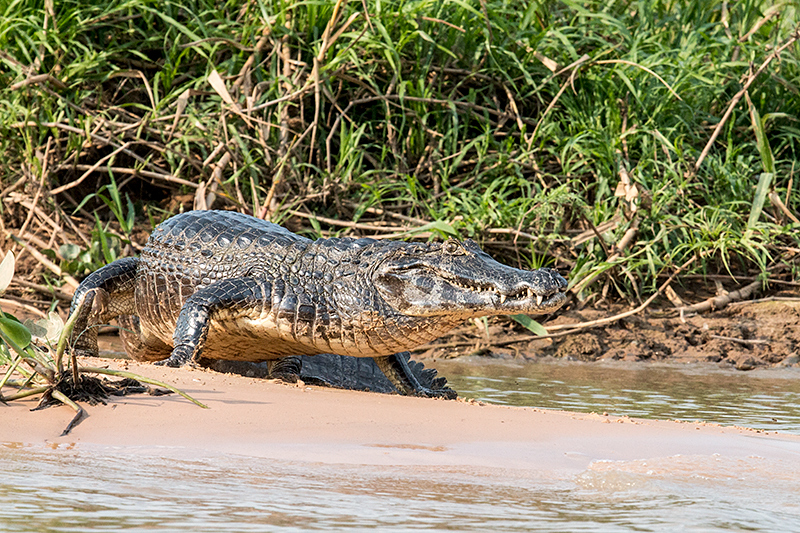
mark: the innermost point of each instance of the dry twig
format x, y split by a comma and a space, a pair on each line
54, 268
719, 302
738, 96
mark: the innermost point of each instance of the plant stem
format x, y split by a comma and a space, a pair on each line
80, 413
124, 374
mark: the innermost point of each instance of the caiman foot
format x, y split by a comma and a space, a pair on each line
445, 393
181, 355
396, 368
286, 369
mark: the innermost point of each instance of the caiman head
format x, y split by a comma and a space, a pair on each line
460, 280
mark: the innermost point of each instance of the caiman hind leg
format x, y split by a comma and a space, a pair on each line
137, 346
405, 381
106, 294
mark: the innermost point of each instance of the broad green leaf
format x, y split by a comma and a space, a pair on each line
69, 251
531, 324
16, 333
46, 329
10, 316
6, 270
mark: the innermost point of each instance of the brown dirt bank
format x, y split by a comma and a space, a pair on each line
272, 420
744, 335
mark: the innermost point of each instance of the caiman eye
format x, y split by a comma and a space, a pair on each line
453, 247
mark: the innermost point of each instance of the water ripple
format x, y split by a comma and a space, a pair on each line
768, 400
159, 490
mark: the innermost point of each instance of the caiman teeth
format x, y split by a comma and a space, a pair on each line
502, 298
539, 299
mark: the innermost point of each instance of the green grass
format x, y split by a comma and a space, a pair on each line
425, 111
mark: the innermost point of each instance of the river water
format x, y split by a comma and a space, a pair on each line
766, 399
79, 490
68, 488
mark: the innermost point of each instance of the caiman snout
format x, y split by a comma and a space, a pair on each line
463, 282
540, 291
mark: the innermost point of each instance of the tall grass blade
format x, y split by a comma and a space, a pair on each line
762, 190
532, 325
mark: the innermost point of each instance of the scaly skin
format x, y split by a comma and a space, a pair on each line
217, 285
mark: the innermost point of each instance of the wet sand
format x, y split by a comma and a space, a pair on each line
267, 419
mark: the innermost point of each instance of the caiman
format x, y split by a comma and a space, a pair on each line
215, 286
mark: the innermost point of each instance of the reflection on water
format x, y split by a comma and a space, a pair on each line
106, 489
768, 399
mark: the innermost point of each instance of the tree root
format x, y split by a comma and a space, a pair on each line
719, 302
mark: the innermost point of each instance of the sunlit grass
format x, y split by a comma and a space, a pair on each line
509, 122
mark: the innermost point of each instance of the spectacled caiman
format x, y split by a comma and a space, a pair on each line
217, 286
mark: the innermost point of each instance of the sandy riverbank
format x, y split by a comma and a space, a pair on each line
272, 420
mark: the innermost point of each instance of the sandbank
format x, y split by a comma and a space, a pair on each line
267, 419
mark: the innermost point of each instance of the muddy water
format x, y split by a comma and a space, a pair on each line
113, 489
763, 399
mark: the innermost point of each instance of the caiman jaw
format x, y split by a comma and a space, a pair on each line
545, 303
548, 296
539, 297
529, 294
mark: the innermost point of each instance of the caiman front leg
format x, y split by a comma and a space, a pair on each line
286, 368
230, 296
396, 369
106, 294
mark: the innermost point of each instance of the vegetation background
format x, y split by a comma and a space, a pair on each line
640, 147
